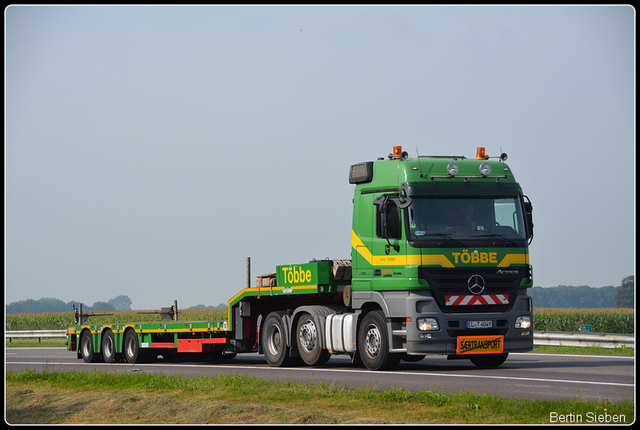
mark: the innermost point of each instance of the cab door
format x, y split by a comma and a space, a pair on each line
389, 244
363, 230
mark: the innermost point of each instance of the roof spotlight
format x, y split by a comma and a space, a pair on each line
453, 168
485, 169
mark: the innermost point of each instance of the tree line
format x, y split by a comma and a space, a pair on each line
566, 296
48, 304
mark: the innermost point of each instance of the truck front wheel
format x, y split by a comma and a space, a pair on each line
274, 341
373, 342
308, 342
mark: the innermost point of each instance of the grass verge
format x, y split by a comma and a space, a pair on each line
133, 398
589, 350
33, 342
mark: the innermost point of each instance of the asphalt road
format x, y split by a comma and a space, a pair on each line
522, 376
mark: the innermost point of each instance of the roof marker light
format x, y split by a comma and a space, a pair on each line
398, 154
397, 151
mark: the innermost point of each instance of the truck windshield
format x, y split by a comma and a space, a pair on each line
467, 221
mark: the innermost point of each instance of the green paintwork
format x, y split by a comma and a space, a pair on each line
378, 266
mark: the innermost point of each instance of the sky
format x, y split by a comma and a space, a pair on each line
150, 150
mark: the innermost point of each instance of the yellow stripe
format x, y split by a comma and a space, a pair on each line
399, 260
265, 290
510, 259
437, 259
359, 246
174, 330
433, 260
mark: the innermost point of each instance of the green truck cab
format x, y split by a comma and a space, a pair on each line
440, 246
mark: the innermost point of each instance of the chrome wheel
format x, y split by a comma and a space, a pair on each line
372, 341
307, 336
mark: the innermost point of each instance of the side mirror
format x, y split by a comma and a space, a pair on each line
389, 218
528, 217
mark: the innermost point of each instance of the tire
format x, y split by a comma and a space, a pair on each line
489, 360
274, 342
373, 342
131, 350
86, 348
309, 343
108, 347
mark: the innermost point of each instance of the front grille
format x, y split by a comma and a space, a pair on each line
454, 282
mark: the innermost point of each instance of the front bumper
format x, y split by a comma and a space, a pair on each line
452, 325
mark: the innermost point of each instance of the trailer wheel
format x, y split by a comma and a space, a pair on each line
373, 342
274, 341
489, 360
308, 342
132, 352
108, 347
86, 348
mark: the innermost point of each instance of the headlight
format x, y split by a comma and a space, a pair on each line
485, 169
453, 169
428, 324
523, 322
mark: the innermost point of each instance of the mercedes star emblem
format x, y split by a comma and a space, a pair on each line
476, 284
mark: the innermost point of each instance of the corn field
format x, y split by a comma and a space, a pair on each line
63, 320
606, 320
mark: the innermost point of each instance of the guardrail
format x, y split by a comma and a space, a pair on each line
31, 334
539, 338
603, 340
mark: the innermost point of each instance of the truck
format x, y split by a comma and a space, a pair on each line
439, 265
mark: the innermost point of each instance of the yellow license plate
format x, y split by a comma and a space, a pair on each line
480, 344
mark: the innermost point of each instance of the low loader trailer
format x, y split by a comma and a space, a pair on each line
439, 265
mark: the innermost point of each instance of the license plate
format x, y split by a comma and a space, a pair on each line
479, 324
480, 344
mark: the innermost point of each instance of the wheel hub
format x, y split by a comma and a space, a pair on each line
275, 340
308, 336
373, 341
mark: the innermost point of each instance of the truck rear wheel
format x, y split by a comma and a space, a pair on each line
274, 341
373, 342
86, 348
108, 347
132, 352
308, 342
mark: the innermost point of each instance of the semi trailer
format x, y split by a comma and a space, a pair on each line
439, 265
